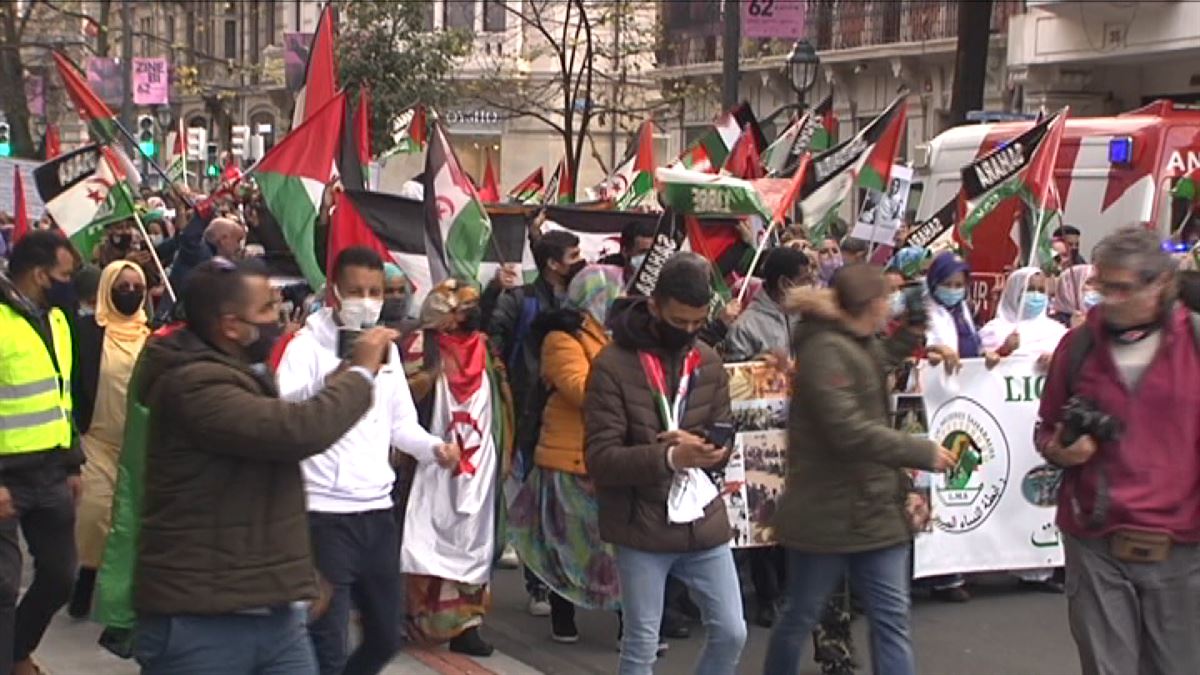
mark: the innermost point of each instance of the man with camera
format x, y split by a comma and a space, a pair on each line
349, 486
1118, 414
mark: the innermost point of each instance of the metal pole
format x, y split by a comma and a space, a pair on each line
731, 48
126, 65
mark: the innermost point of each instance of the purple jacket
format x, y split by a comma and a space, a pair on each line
1153, 470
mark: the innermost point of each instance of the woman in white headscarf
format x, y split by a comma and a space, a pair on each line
1022, 326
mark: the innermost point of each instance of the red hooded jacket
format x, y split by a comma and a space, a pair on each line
1153, 469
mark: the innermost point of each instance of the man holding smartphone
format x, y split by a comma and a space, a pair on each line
349, 486
655, 399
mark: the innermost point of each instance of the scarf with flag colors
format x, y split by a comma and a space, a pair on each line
864, 161
1022, 168
292, 178
320, 73
528, 191
457, 228
99, 118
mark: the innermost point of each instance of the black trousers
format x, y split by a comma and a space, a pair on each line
356, 555
46, 517
768, 571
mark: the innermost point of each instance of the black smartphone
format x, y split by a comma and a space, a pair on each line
345, 342
720, 434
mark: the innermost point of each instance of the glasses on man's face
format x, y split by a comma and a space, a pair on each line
1119, 288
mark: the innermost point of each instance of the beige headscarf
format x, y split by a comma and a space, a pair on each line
126, 332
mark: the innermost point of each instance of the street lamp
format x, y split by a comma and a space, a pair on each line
802, 65
162, 114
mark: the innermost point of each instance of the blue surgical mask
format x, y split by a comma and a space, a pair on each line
1035, 304
950, 297
1091, 299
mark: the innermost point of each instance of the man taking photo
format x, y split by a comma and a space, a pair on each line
349, 486
1118, 414
224, 563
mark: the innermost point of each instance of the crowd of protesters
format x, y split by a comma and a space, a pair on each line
313, 452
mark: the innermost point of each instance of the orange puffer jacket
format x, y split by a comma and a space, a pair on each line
566, 362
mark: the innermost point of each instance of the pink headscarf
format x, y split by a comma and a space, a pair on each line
1068, 298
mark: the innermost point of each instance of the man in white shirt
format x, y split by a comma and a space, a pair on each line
349, 486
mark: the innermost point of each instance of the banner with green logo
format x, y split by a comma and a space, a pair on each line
994, 510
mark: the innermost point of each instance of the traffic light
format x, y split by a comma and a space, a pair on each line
239, 140
212, 170
145, 137
197, 138
5, 140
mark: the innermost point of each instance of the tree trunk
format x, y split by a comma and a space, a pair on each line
970, 62
102, 32
12, 85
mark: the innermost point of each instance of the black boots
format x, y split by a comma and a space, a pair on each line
81, 597
471, 644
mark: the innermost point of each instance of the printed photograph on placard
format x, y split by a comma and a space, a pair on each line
731, 484
765, 455
759, 395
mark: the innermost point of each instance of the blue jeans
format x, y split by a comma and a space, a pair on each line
275, 643
879, 577
711, 577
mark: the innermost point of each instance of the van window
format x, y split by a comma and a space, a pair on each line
1180, 219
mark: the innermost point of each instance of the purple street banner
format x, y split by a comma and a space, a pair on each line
35, 93
104, 77
295, 58
151, 81
783, 19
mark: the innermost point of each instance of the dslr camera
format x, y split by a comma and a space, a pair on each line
1081, 418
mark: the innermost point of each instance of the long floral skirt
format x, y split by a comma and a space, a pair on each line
441, 609
554, 525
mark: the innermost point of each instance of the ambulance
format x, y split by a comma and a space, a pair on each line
1111, 172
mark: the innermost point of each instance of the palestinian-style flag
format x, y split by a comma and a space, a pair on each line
177, 160
320, 75
812, 132
348, 228
744, 161
710, 195
1022, 168
490, 191
709, 152
457, 228
598, 228
1188, 187
864, 161
292, 177
85, 191
631, 185
354, 157
410, 132
719, 240
528, 191
558, 190
399, 225
99, 118
20, 216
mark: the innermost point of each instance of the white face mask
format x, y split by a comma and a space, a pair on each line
359, 313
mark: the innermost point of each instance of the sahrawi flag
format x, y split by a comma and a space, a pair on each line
292, 178
457, 228
99, 118
1022, 168
528, 191
811, 133
86, 190
864, 161
631, 186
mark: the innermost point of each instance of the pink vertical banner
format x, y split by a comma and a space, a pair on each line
782, 19
35, 93
151, 81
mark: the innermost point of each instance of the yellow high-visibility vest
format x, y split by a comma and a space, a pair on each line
35, 400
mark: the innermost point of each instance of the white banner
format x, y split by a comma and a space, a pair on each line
995, 509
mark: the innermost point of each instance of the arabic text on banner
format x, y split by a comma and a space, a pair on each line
995, 509
752, 482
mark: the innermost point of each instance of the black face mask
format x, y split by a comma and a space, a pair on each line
127, 302
260, 348
121, 241
673, 338
573, 270
394, 310
61, 294
473, 321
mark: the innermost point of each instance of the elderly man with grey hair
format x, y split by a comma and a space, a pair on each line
227, 237
1118, 414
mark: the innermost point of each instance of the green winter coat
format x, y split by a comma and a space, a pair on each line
846, 487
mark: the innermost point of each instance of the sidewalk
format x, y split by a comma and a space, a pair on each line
70, 648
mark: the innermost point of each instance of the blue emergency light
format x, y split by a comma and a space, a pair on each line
1120, 150
1175, 246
